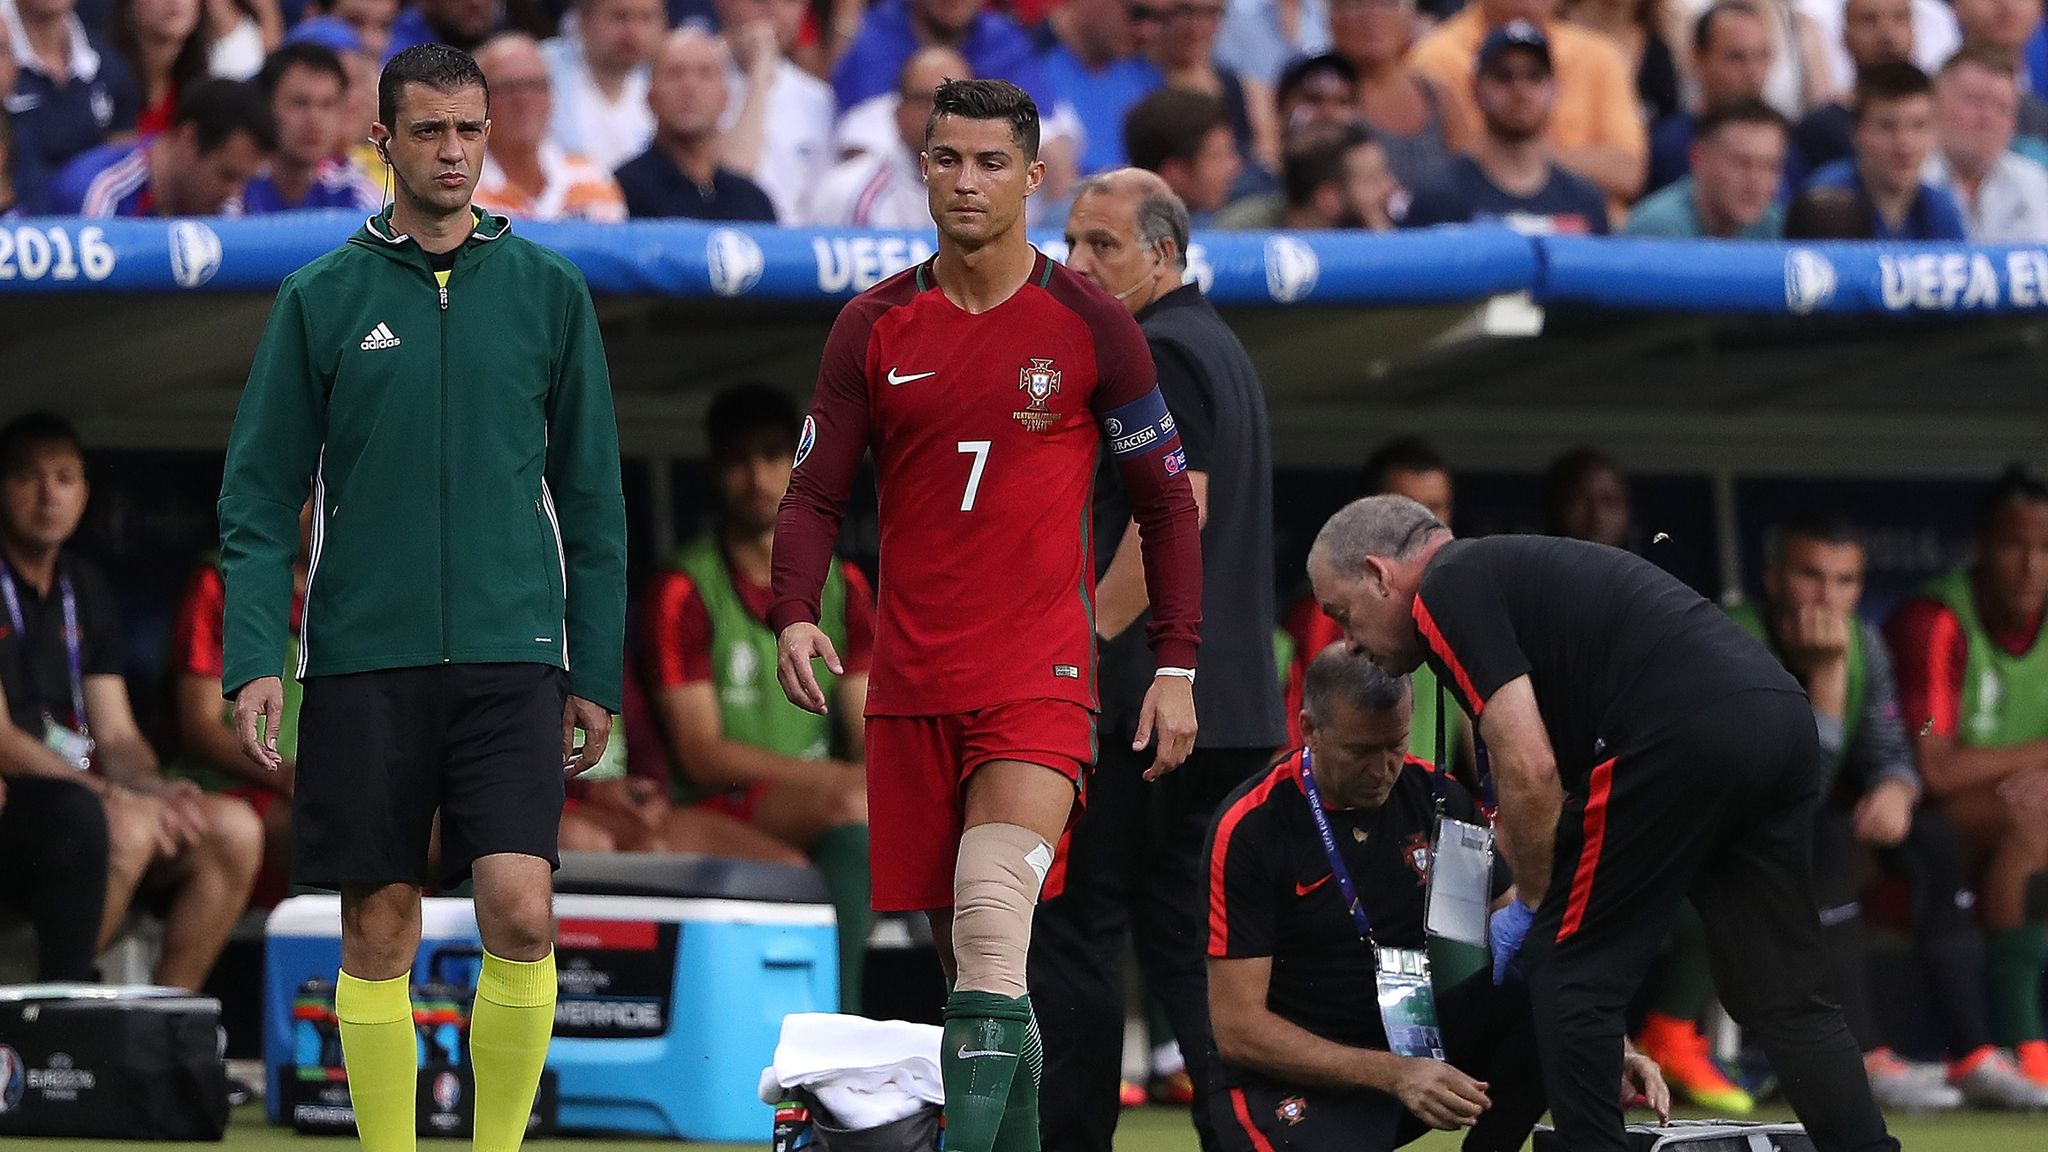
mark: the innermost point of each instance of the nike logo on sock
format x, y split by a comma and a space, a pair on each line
964, 1054
1305, 889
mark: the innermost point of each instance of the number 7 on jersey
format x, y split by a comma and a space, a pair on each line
979, 449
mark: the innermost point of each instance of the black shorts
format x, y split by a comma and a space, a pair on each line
381, 752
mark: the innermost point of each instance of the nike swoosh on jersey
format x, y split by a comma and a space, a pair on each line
894, 379
1305, 889
964, 1054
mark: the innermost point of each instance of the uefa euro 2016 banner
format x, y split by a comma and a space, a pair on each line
689, 260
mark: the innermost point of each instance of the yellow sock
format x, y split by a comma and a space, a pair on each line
508, 1042
381, 1049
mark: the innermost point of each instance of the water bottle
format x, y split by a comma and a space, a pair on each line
792, 1126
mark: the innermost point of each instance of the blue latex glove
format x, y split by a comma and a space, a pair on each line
1507, 929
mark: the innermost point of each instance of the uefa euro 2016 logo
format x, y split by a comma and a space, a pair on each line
13, 1079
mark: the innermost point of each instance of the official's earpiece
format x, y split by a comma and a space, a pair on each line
1157, 260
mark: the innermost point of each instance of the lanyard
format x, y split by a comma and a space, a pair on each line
1329, 839
1487, 807
74, 642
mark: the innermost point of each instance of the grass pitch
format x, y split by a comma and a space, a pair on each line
1143, 1130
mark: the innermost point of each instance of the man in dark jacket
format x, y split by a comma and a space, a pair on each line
440, 386
1136, 854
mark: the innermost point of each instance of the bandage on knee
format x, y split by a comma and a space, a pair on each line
995, 887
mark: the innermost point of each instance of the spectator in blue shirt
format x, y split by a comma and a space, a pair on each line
1260, 36
1894, 113
1874, 32
1732, 53
1089, 54
72, 92
1738, 157
1509, 176
307, 87
219, 137
679, 175
463, 24
894, 30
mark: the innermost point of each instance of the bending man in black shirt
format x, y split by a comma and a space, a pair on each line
1646, 749
1304, 1060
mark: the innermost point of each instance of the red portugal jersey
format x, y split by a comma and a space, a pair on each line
985, 435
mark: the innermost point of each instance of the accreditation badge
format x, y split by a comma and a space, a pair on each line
74, 746
1460, 883
1408, 1004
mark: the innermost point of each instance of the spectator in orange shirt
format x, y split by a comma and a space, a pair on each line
1595, 129
526, 174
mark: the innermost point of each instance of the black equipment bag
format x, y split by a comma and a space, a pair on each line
120, 1064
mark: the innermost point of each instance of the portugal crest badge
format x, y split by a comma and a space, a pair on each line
1038, 380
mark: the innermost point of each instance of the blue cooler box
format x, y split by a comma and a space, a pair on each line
302, 941
676, 972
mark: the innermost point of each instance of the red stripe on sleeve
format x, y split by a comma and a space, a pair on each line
1244, 1120
196, 636
1219, 856
678, 633
1930, 656
1434, 637
1601, 785
1948, 656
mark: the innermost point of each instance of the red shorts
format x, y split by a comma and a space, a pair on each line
917, 766
271, 885
739, 803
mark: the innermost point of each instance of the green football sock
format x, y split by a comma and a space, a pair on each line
381, 1050
2013, 959
986, 1037
1019, 1131
841, 856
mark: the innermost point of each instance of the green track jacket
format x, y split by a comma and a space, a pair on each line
463, 460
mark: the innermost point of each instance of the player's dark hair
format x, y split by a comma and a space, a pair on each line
1402, 454
744, 412
2015, 485
299, 54
1884, 83
437, 66
1315, 157
1338, 673
1296, 76
1751, 111
1562, 479
29, 431
220, 110
1171, 124
1828, 212
1703, 27
988, 100
1821, 529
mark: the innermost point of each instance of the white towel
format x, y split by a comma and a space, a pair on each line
866, 1073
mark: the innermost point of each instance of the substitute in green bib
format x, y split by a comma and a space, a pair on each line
1973, 681
1870, 812
740, 746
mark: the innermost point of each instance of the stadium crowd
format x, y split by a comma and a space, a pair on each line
1913, 119
1932, 732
